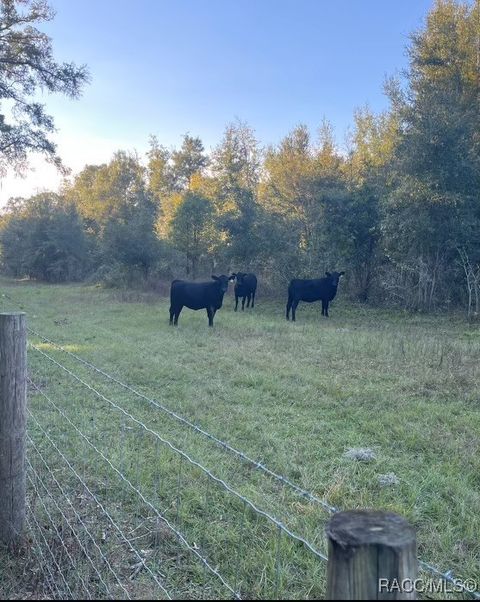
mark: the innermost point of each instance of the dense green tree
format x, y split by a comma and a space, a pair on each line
170, 176
236, 164
105, 192
366, 173
192, 230
433, 201
159, 177
301, 181
187, 161
236, 160
26, 65
116, 204
43, 238
371, 147
130, 242
289, 186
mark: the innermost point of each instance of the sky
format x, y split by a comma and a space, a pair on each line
167, 68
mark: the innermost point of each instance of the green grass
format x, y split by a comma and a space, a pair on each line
294, 396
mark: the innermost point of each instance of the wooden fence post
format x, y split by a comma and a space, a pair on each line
13, 414
371, 556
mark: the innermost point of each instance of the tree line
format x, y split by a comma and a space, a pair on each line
398, 210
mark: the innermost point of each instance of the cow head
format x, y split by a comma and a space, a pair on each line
334, 277
239, 276
222, 281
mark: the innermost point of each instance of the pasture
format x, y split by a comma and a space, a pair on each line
294, 396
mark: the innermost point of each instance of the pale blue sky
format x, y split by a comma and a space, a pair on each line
167, 67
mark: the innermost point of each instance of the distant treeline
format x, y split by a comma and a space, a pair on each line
399, 211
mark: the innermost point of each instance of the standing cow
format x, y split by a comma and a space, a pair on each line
320, 289
245, 287
197, 295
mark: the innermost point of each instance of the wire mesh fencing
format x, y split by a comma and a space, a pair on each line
139, 516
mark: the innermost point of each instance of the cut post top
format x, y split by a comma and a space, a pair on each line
363, 527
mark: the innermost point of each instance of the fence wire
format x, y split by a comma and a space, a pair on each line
178, 534
72, 529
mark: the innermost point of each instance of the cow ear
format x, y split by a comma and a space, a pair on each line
233, 276
328, 274
214, 277
342, 273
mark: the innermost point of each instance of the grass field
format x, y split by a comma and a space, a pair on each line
295, 397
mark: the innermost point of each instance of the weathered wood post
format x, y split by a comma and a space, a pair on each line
13, 415
371, 556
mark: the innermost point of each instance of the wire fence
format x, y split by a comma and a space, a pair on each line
163, 476
118, 509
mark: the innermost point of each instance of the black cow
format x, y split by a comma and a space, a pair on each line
323, 289
245, 287
197, 295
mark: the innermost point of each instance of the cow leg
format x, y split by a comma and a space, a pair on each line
172, 312
326, 309
253, 299
177, 313
243, 303
289, 305
249, 298
294, 309
323, 307
210, 314
236, 302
